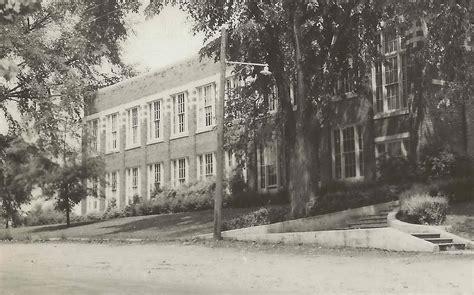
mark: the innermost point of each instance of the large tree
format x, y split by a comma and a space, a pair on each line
312, 45
307, 44
22, 167
59, 50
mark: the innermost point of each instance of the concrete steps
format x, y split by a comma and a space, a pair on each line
376, 220
444, 244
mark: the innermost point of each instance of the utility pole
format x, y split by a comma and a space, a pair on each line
220, 141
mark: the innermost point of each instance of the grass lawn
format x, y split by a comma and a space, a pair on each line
152, 227
461, 218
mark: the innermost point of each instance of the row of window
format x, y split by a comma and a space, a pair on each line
179, 121
348, 151
179, 174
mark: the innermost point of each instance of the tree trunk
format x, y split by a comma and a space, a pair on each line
304, 149
68, 211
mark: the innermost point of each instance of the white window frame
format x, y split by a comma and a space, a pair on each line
176, 112
206, 108
155, 119
113, 133
131, 128
131, 188
263, 153
338, 145
111, 192
398, 52
175, 172
152, 177
93, 202
94, 136
401, 138
206, 166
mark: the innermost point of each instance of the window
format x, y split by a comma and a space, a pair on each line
268, 167
179, 171
390, 76
206, 166
94, 136
392, 148
348, 156
179, 114
132, 183
112, 187
112, 133
273, 99
155, 131
206, 107
154, 178
133, 136
94, 194
345, 84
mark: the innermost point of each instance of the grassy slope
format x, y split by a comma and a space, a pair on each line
461, 217
154, 227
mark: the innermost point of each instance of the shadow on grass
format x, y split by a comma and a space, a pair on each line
57, 227
191, 221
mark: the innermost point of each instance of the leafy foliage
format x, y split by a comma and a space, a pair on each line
424, 209
67, 184
260, 217
21, 168
59, 49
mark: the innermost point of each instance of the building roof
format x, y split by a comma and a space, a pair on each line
159, 80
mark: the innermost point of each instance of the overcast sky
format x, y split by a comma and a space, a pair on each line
163, 40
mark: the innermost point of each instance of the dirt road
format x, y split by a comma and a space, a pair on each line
75, 268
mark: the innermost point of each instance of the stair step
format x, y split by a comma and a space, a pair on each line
367, 225
373, 221
439, 241
426, 235
374, 218
451, 246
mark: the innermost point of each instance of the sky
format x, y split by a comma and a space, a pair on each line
160, 41
154, 43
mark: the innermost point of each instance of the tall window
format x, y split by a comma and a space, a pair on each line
179, 114
268, 167
206, 165
94, 136
348, 156
390, 76
112, 187
93, 198
112, 133
133, 136
154, 178
133, 184
273, 99
206, 106
179, 171
155, 121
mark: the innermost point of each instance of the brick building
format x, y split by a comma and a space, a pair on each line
158, 128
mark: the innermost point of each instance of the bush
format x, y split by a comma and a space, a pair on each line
438, 161
112, 210
424, 209
351, 196
456, 189
260, 217
40, 215
396, 170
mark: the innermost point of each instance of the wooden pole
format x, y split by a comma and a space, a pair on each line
220, 141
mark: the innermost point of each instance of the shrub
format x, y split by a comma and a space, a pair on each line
352, 196
424, 209
437, 160
396, 170
456, 189
112, 210
5, 235
40, 215
260, 217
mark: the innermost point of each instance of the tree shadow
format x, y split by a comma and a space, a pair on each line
61, 226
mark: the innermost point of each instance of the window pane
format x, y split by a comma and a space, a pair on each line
349, 152
337, 154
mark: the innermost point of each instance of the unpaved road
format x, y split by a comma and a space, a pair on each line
174, 268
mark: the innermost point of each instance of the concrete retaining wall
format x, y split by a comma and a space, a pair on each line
419, 228
316, 223
379, 238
